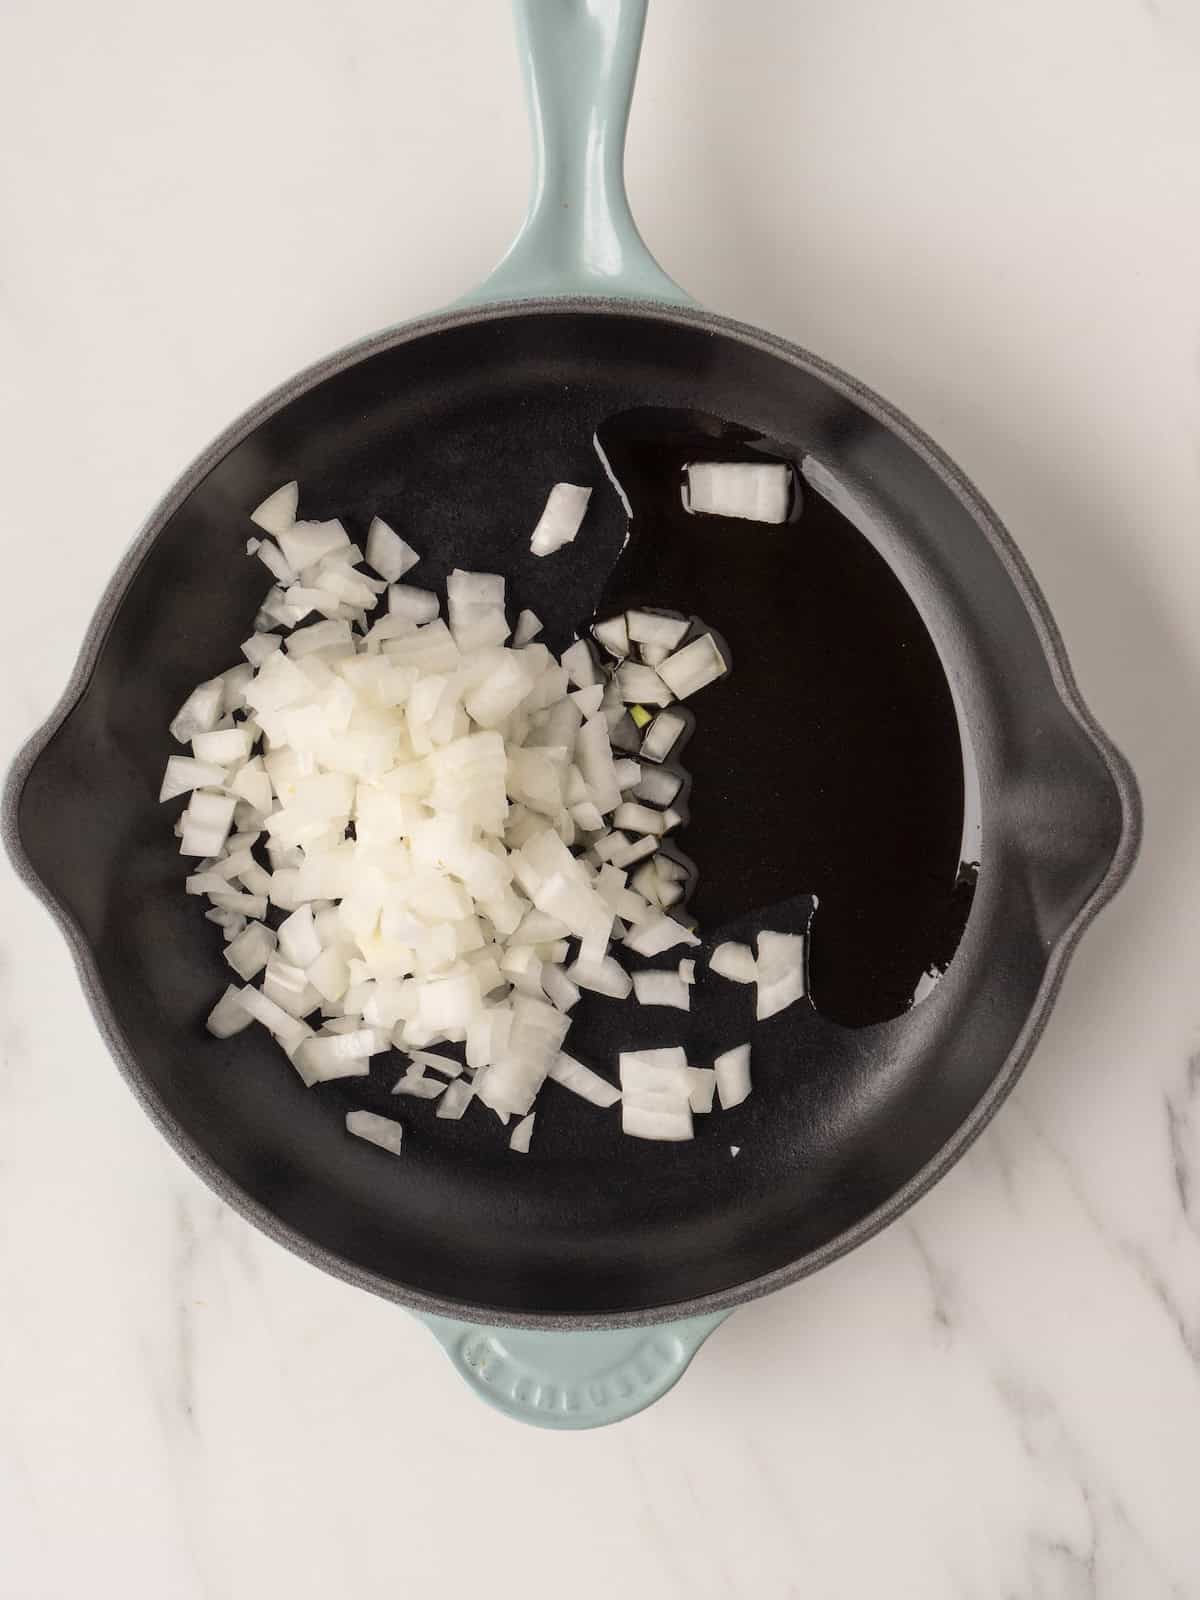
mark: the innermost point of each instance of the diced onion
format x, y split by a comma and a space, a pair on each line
654, 628
658, 785
278, 511
662, 989
200, 712
694, 667
702, 1082
251, 950
733, 1076
387, 552
522, 1134
751, 491
606, 977
558, 524
584, 1082
228, 1016
663, 734
383, 1131
649, 1122
184, 774
528, 627
613, 635
456, 1099
658, 935
642, 685
656, 1094
434, 815
779, 972
734, 961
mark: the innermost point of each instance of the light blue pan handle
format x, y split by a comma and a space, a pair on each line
579, 59
572, 1380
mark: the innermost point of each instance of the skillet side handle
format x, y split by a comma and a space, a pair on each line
572, 1380
579, 60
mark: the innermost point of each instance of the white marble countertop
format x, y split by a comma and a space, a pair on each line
987, 211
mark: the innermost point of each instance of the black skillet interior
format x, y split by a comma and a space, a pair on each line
830, 763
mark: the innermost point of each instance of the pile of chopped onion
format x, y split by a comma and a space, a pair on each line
418, 830
753, 491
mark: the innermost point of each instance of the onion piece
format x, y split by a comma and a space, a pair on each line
291, 1032
298, 941
638, 818
662, 989
702, 1086
613, 635
643, 1122
521, 1134
581, 665
259, 646
588, 700
249, 953
581, 1080
634, 850
660, 1071
587, 816
663, 734
561, 520
528, 627
606, 977
660, 934
750, 491
200, 712
457, 1098
733, 1076
655, 1094
228, 1016
306, 543
206, 823
387, 552
656, 628
658, 785
415, 1083
641, 685
382, 1131
434, 1062
413, 605
329, 975
223, 747
184, 773
735, 962
694, 667
277, 512
594, 756
779, 973
327, 1056
558, 988
330, 635
276, 563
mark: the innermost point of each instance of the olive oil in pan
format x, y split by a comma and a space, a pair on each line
830, 761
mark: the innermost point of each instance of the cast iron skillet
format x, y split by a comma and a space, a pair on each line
827, 743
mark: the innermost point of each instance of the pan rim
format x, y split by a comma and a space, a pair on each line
1057, 961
